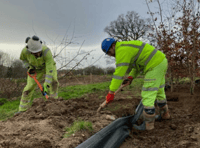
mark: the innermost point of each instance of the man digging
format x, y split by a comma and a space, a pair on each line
38, 59
140, 57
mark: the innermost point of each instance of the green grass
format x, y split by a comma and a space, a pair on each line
8, 109
78, 126
3, 100
76, 91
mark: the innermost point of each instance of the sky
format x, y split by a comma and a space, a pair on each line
51, 19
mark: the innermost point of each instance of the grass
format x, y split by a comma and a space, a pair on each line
76, 91
3, 100
78, 126
8, 109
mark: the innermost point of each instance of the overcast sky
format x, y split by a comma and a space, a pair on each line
52, 18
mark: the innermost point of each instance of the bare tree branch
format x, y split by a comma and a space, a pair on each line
96, 60
75, 66
74, 57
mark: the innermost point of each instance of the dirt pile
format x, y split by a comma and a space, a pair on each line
43, 124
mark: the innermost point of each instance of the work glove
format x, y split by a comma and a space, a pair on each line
45, 87
31, 70
128, 81
109, 97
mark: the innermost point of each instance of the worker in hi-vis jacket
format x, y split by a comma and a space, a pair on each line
37, 58
140, 57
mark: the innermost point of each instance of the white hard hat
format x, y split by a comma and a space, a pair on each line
34, 44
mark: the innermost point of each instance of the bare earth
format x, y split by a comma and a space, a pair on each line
42, 126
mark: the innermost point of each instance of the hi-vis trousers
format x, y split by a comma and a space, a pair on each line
29, 89
154, 85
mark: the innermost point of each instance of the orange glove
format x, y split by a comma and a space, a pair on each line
109, 98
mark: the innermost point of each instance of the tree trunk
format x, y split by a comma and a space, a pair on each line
177, 79
171, 79
193, 72
192, 84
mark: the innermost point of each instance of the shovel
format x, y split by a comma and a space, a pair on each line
39, 85
104, 103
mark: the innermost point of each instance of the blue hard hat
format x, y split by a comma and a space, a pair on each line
106, 44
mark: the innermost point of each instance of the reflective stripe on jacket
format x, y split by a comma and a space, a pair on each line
136, 55
46, 62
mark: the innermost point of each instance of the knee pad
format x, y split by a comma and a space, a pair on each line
150, 111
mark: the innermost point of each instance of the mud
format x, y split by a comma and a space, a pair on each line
182, 131
43, 125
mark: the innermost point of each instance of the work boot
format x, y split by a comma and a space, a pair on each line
149, 118
164, 112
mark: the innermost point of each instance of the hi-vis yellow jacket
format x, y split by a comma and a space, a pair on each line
136, 55
46, 62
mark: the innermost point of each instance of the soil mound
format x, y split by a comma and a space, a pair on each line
43, 125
